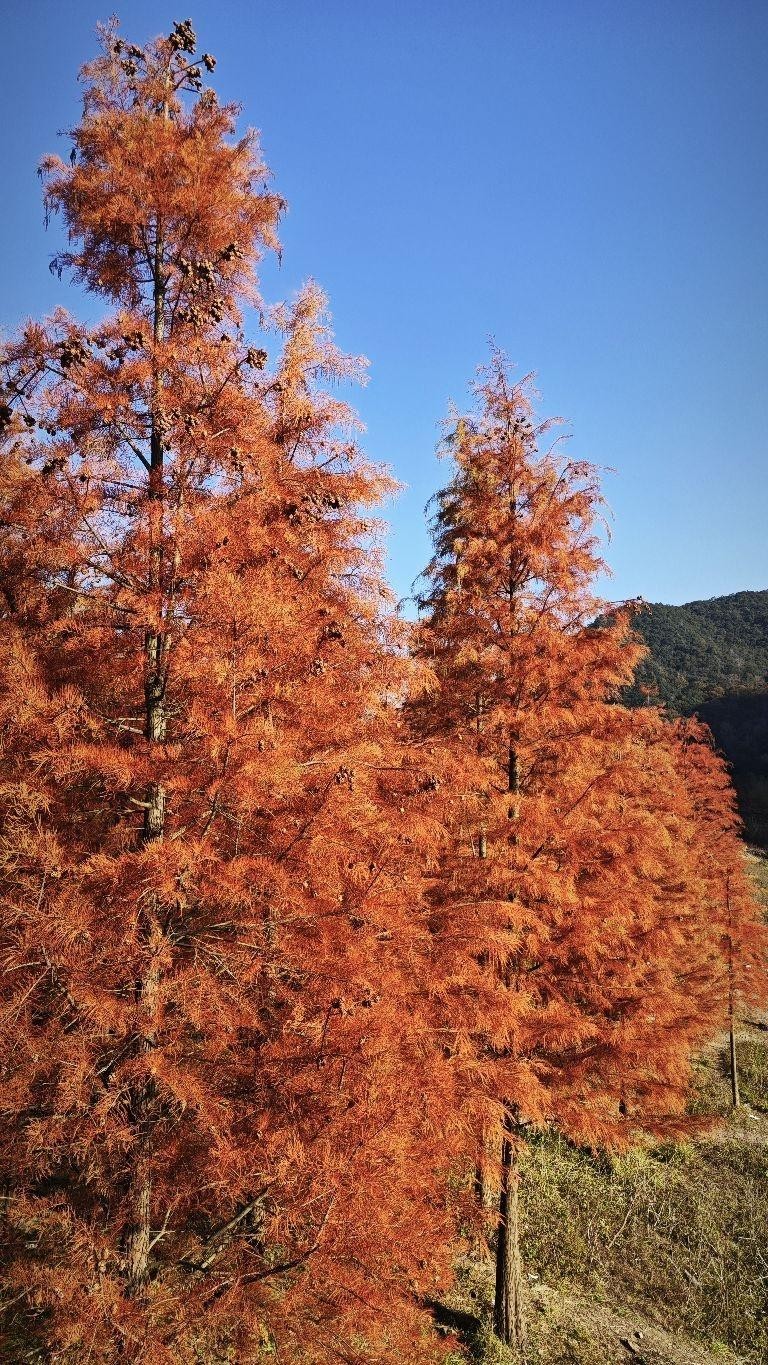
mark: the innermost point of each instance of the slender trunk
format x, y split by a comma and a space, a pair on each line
155, 724
513, 784
140, 1189
483, 1185
138, 1243
509, 1314
479, 1183
509, 1309
735, 1095
483, 1188
482, 835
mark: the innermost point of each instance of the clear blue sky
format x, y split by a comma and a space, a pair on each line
585, 180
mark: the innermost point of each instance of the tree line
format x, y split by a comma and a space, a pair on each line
310, 916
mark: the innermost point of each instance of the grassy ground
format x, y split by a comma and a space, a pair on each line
659, 1257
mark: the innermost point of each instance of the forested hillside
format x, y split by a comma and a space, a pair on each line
711, 658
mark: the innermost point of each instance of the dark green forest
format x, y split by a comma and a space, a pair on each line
711, 658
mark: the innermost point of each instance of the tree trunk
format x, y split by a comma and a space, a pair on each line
509, 1312
513, 782
480, 1185
482, 835
155, 725
735, 1095
140, 1232
140, 1189
484, 1193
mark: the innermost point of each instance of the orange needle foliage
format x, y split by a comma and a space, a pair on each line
578, 912
215, 1127
277, 955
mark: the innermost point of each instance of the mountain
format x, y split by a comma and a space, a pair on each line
710, 658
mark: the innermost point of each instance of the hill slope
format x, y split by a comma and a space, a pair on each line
711, 658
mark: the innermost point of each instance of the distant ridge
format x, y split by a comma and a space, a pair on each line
710, 658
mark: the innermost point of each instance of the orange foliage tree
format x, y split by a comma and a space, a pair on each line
726, 892
216, 1133
577, 941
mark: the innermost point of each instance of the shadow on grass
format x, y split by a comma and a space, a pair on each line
466, 1326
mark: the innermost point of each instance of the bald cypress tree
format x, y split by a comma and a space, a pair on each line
581, 961
214, 1130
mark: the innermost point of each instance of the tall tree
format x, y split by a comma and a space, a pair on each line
214, 1071
580, 965
726, 889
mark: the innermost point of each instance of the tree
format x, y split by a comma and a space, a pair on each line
216, 1128
726, 890
580, 963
